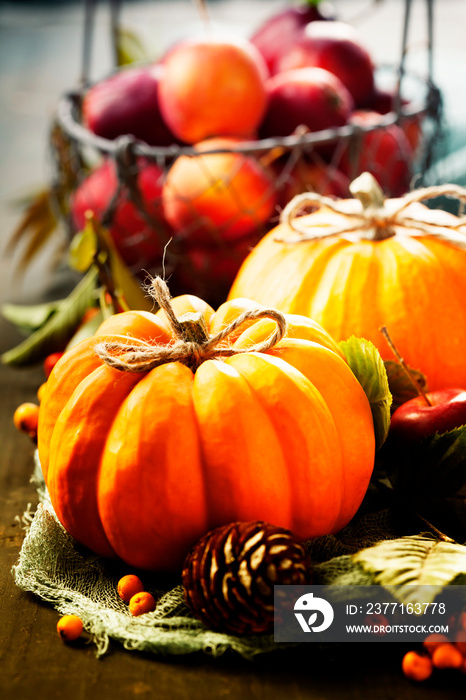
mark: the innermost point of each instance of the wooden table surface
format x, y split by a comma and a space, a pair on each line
34, 663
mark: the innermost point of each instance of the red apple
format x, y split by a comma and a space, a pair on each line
128, 103
309, 176
220, 196
208, 271
384, 152
336, 47
415, 419
139, 242
211, 88
279, 32
312, 97
384, 101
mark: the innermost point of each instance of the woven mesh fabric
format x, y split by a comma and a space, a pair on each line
57, 569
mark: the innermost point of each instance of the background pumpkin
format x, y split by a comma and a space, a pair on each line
356, 265
141, 464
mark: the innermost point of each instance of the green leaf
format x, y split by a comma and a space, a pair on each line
409, 562
368, 367
130, 48
59, 328
401, 388
29, 317
83, 248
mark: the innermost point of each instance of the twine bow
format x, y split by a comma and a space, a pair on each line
192, 344
378, 217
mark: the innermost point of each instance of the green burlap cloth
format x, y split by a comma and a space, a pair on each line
53, 566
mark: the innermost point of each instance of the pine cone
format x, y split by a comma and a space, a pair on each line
229, 575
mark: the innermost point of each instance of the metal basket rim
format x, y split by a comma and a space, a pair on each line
69, 104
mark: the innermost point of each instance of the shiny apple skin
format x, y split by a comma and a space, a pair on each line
336, 47
415, 420
128, 103
310, 97
213, 87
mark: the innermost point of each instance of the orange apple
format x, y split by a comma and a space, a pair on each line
217, 196
213, 87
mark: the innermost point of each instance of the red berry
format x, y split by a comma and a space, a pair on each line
50, 362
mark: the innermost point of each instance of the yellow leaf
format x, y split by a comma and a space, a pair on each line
82, 249
35, 227
130, 48
126, 285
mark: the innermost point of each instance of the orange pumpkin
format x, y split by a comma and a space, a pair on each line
141, 463
359, 264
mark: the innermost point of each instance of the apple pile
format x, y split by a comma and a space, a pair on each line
301, 71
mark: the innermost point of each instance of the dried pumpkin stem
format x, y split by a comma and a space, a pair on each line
159, 291
192, 345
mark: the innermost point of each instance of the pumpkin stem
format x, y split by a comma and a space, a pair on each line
370, 194
404, 366
368, 191
193, 327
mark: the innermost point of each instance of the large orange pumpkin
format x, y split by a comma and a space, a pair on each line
140, 464
359, 264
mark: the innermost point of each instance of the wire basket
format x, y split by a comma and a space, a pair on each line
202, 256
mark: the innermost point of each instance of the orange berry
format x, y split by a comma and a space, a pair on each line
142, 603
40, 391
50, 362
416, 666
26, 418
432, 641
447, 656
128, 586
69, 627
460, 641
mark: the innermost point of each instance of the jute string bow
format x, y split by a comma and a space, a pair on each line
377, 218
192, 344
